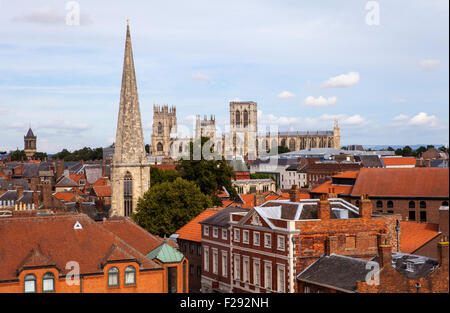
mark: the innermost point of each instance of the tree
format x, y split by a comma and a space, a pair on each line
390, 148
160, 176
209, 175
40, 155
283, 149
18, 155
84, 154
167, 206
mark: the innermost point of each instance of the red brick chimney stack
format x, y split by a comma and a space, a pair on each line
324, 210
259, 199
365, 207
443, 252
294, 194
59, 169
384, 251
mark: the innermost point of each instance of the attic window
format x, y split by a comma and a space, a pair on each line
77, 226
409, 267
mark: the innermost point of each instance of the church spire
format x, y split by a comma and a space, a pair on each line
129, 146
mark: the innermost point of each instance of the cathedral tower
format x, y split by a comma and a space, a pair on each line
164, 125
30, 144
337, 136
243, 127
130, 172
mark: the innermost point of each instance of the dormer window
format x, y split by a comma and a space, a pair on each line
409, 267
130, 276
113, 277
48, 282
30, 283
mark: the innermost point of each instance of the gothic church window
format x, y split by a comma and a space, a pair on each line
160, 147
245, 118
160, 129
128, 194
238, 119
292, 145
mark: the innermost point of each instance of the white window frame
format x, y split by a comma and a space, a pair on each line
265, 240
237, 235
215, 232
215, 259
206, 259
256, 234
257, 273
281, 279
237, 267
280, 239
246, 269
206, 230
268, 275
224, 263
224, 234
245, 233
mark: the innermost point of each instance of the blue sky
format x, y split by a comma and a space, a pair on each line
305, 64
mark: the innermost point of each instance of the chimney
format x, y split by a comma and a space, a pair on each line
10, 177
443, 252
365, 207
443, 220
19, 190
103, 169
294, 194
60, 169
332, 245
35, 199
324, 209
384, 251
259, 199
46, 194
99, 205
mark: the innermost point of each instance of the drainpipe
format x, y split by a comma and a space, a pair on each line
397, 230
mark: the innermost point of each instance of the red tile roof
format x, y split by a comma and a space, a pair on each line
102, 191
136, 236
64, 196
414, 235
402, 182
102, 181
349, 174
76, 177
58, 241
391, 161
337, 189
193, 231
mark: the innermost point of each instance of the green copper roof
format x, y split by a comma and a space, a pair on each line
165, 254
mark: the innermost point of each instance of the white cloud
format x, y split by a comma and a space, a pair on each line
354, 120
423, 119
320, 101
286, 95
401, 117
428, 65
42, 15
199, 76
344, 80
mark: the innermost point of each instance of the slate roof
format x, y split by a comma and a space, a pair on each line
58, 241
419, 266
402, 182
30, 134
93, 173
222, 218
66, 182
30, 170
369, 160
336, 271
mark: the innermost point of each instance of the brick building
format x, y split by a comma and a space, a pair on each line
320, 172
266, 247
189, 240
115, 256
414, 193
388, 272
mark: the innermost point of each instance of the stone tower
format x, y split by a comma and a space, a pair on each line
130, 171
336, 135
164, 125
30, 144
243, 127
205, 127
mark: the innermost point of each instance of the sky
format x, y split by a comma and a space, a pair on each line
378, 67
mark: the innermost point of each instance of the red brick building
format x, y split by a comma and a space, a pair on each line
269, 245
320, 172
115, 256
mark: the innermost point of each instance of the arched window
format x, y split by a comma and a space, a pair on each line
159, 147
130, 276
292, 145
245, 118
390, 204
445, 203
423, 205
379, 204
30, 283
160, 128
283, 142
48, 282
113, 277
238, 119
412, 204
128, 194
180, 149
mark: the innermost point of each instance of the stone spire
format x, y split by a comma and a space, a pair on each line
129, 145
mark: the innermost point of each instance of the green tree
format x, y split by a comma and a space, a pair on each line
209, 175
160, 176
40, 155
390, 148
166, 207
282, 149
18, 155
